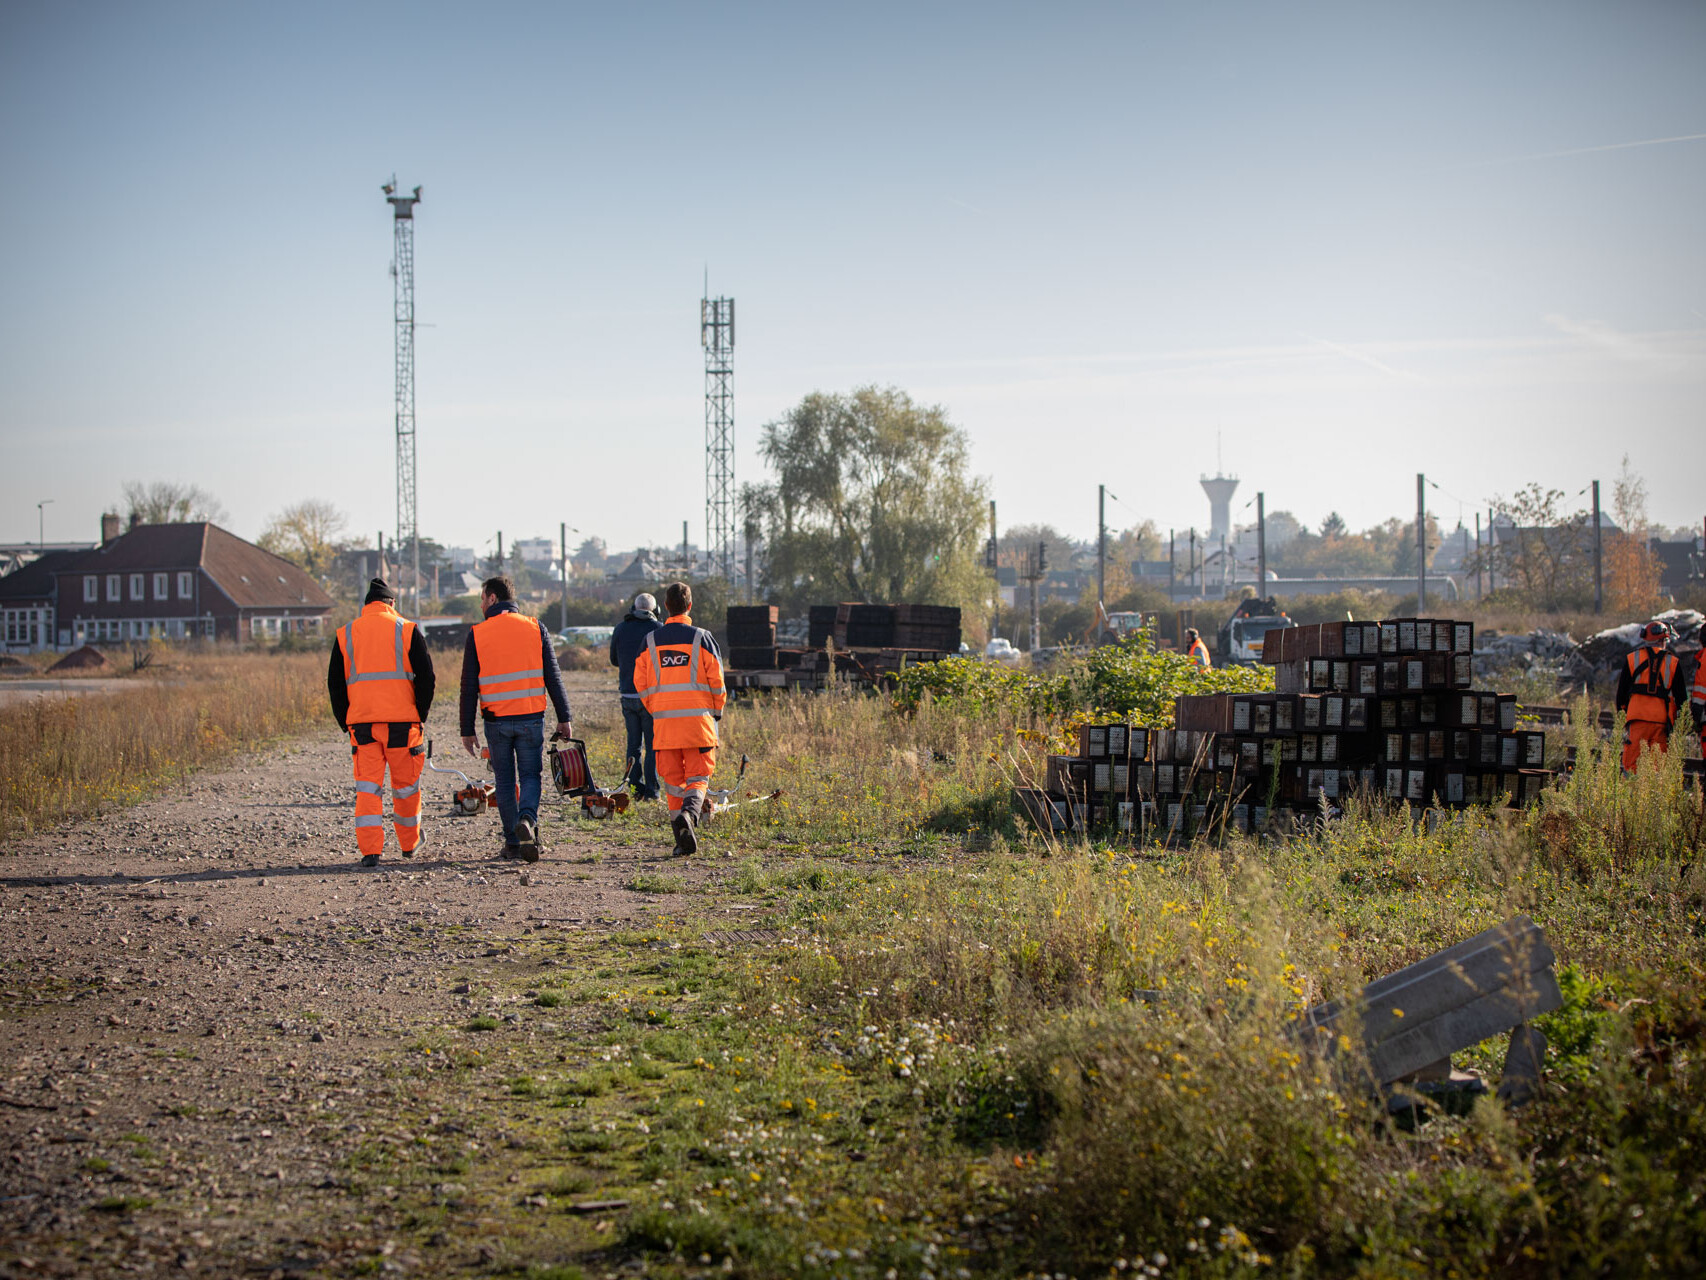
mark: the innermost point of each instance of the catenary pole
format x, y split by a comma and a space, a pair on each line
1261, 545
1598, 579
1101, 557
1421, 547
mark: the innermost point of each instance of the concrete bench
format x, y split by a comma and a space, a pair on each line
1409, 1023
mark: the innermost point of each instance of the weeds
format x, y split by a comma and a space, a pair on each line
77, 756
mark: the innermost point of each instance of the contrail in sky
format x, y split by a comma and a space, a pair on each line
1609, 146
1350, 353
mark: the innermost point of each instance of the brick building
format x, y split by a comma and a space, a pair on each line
173, 581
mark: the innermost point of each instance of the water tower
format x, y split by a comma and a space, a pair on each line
1220, 489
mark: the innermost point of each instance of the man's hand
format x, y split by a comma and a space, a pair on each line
565, 729
471, 745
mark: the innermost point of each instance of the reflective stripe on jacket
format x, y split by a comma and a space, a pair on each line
1650, 681
507, 646
680, 681
1198, 653
381, 682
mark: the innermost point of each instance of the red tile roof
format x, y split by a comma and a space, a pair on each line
252, 578
35, 580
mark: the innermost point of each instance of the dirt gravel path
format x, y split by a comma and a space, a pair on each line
201, 999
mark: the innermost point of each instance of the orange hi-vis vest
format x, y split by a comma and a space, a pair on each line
1697, 691
381, 683
1651, 681
1198, 653
509, 648
681, 685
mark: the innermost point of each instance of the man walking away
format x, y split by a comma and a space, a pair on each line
1195, 649
509, 670
627, 643
381, 684
679, 678
1650, 693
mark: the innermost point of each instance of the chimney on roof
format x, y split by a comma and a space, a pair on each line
109, 527
135, 519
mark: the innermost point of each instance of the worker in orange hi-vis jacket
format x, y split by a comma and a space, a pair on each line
1195, 649
1697, 698
1650, 693
679, 677
381, 684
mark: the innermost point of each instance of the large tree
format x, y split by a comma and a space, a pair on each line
872, 500
171, 502
306, 534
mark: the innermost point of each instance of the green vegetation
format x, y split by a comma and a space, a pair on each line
1066, 1057
1128, 680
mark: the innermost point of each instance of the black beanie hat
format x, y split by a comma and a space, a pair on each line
377, 590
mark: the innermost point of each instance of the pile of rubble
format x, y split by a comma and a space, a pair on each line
1594, 661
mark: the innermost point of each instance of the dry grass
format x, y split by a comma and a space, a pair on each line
68, 757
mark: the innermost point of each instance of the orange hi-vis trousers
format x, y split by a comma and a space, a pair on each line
1640, 733
376, 747
686, 774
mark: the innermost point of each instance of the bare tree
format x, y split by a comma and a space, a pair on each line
171, 502
1545, 553
306, 534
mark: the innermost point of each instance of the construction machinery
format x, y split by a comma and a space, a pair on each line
474, 797
721, 802
571, 774
1242, 635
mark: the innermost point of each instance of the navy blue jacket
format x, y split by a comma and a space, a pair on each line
627, 643
471, 677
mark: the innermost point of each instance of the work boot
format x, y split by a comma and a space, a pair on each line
370, 860
508, 851
409, 853
686, 843
527, 840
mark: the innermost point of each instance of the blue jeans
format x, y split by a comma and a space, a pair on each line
517, 744
642, 775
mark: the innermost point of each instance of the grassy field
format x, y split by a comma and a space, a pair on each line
941, 1045
71, 757
959, 1049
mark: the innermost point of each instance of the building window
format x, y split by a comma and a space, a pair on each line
136, 586
186, 585
114, 591
160, 584
91, 588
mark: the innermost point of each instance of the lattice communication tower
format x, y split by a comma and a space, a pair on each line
403, 276
717, 336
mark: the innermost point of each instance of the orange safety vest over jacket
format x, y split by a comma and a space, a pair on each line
507, 647
679, 678
1697, 691
1651, 681
381, 680
1198, 653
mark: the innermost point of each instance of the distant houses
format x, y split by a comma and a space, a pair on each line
168, 581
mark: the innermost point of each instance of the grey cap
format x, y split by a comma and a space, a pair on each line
645, 602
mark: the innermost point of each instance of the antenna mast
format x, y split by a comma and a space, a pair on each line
717, 336
403, 306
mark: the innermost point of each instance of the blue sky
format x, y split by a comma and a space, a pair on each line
1347, 241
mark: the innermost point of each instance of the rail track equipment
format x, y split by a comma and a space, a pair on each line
572, 775
720, 801
569, 769
474, 797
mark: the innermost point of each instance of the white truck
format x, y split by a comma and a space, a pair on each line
1241, 636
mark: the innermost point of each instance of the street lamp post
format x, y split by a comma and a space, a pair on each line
41, 523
